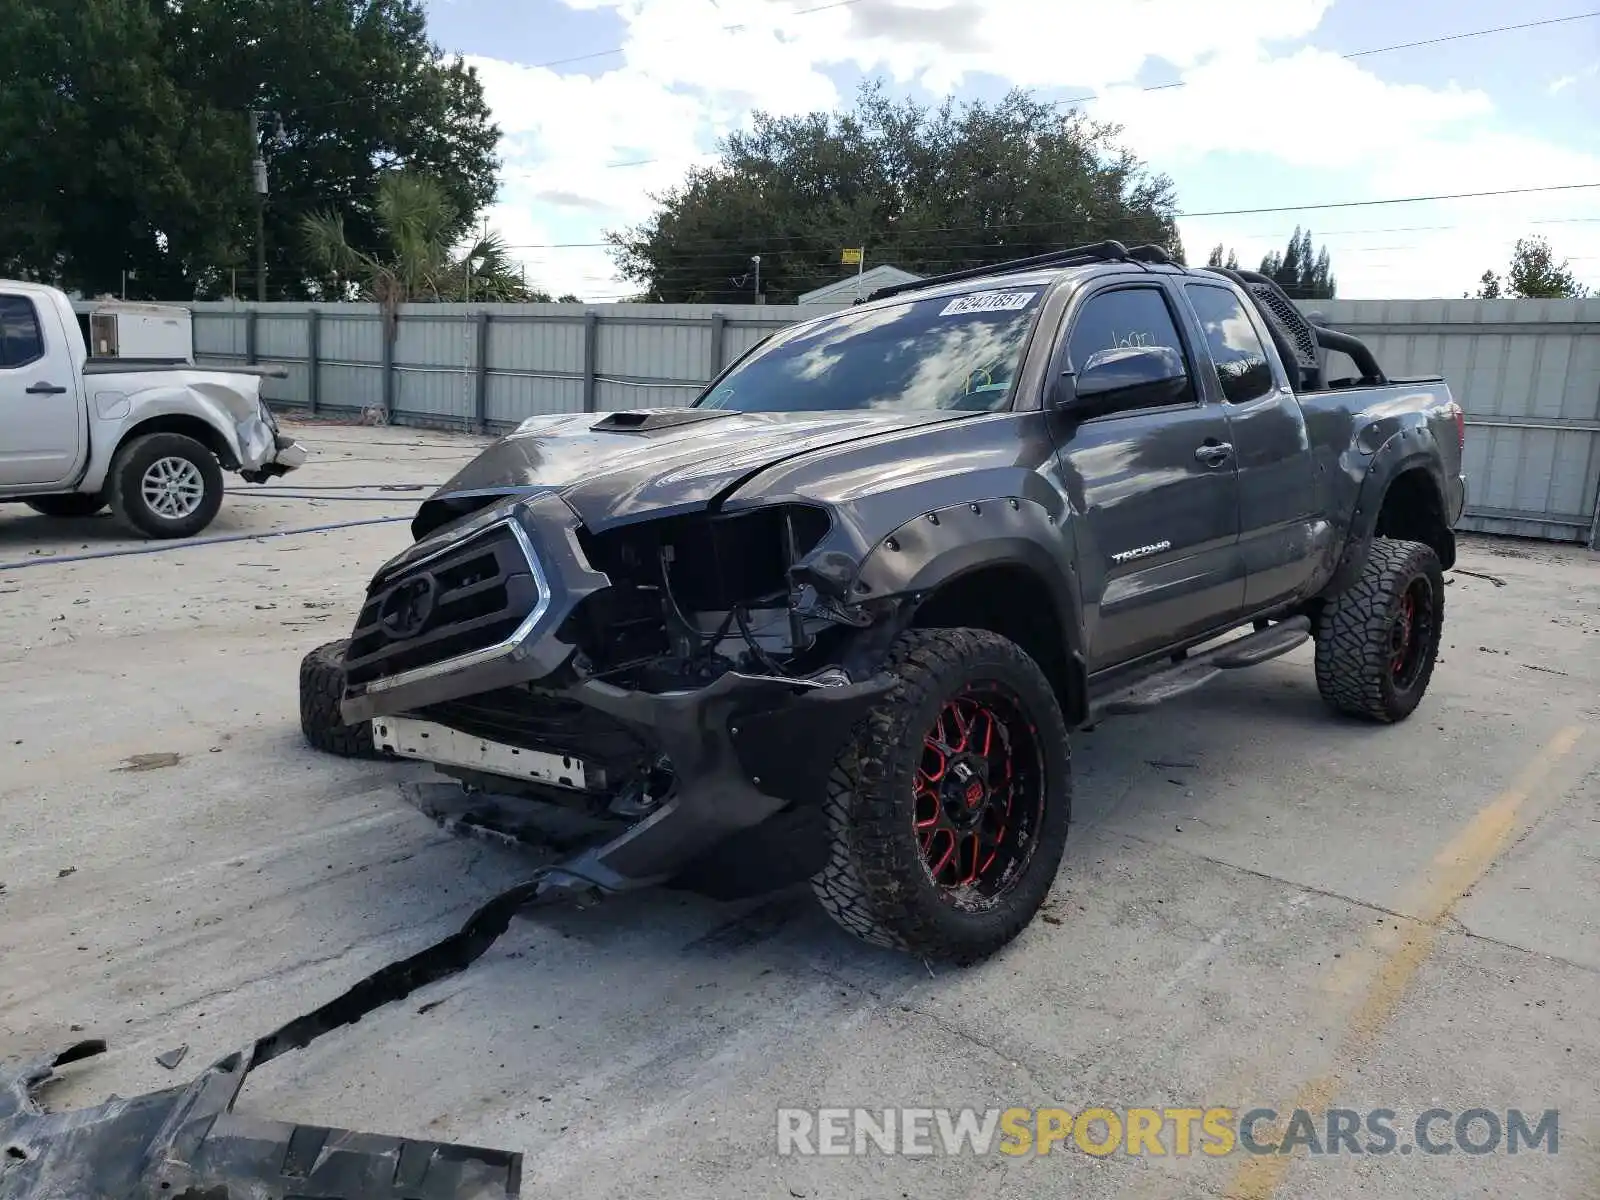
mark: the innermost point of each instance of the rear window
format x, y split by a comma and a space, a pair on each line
21, 340
946, 352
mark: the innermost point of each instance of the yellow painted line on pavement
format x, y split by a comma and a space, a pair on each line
1390, 957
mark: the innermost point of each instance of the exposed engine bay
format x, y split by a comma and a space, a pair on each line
691, 599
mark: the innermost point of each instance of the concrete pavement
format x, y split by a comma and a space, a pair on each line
1261, 905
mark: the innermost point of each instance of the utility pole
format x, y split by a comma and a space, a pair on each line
756, 259
259, 167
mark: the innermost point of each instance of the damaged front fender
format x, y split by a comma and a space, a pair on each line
928, 552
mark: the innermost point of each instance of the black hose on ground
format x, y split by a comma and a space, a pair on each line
160, 547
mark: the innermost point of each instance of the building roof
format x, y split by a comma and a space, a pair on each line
845, 290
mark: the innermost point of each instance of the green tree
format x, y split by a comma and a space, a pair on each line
1301, 270
423, 256
1215, 259
1488, 286
928, 190
124, 133
1533, 275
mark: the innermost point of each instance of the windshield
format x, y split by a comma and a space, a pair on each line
951, 352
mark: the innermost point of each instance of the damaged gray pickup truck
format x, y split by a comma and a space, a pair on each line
852, 601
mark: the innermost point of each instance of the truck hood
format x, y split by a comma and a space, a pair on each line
614, 468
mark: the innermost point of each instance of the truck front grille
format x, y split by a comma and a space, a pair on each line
469, 597
542, 720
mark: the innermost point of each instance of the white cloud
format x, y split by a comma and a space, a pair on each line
1228, 105
683, 79
1560, 85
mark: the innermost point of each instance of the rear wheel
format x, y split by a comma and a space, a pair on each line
948, 812
1378, 641
74, 504
321, 721
165, 485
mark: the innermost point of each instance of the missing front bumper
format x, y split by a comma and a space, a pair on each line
741, 750
431, 742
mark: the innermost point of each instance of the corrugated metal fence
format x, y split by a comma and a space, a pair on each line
484, 367
1527, 372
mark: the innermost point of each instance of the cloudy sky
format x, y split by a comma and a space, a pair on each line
602, 102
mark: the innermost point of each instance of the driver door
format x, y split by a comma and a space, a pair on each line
1154, 489
41, 425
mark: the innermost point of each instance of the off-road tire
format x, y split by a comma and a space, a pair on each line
321, 688
73, 504
1355, 675
876, 884
126, 496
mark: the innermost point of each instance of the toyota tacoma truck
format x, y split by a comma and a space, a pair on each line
861, 591
149, 440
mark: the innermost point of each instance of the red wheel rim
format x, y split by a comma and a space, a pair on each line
978, 793
1411, 632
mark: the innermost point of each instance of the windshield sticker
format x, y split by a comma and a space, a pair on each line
989, 302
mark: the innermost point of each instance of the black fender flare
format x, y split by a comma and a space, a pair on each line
939, 547
1405, 450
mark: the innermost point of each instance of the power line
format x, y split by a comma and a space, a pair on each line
1457, 37
1231, 212
1435, 41
1246, 212
1277, 233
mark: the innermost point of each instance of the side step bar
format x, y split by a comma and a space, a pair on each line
1197, 671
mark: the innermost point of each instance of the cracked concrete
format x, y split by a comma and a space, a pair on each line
643, 1046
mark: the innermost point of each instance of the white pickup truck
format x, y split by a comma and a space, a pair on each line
148, 440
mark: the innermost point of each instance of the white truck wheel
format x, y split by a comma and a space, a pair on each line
165, 485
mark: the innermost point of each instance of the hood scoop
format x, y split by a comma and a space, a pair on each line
648, 420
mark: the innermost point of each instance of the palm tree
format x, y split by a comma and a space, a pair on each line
425, 258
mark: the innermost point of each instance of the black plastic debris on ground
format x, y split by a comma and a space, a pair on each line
187, 1143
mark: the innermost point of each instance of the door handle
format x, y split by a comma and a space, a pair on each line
1214, 454
45, 389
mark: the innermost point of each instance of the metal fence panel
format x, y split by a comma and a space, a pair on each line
612, 395
634, 351
512, 398
218, 335
348, 389
280, 336
350, 337
538, 346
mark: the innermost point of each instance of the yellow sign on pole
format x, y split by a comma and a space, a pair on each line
851, 258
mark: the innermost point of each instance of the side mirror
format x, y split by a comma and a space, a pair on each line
1126, 377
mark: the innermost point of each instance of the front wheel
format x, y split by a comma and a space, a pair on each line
321, 721
1378, 641
165, 485
948, 812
